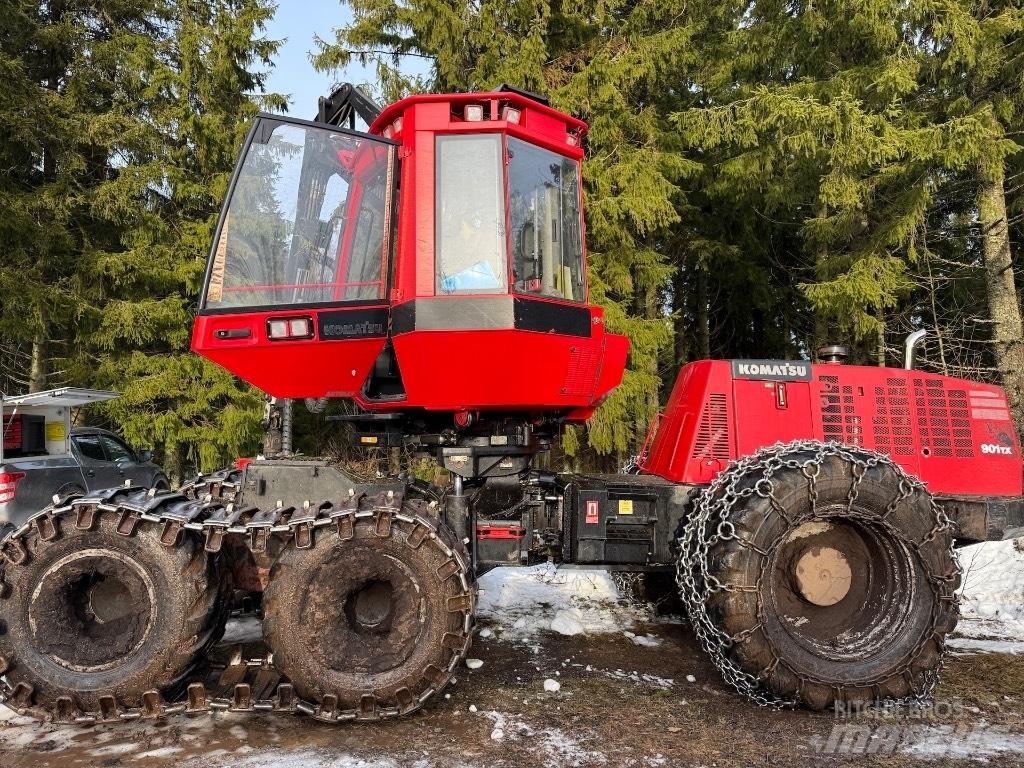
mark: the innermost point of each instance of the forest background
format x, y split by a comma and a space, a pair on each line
762, 177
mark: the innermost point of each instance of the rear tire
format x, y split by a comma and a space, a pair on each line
93, 613
372, 621
827, 602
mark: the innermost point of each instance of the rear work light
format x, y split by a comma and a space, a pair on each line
511, 115
474, 112
285, 328
9, 484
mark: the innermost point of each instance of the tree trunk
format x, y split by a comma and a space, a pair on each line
880, 349
647, 301
37, 374
1004, 309
682, 323
701, 314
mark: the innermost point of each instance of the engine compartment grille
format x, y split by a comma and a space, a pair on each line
907, 412
943, 421
713, 439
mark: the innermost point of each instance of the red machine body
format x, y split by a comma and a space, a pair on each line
472, 206
955, 435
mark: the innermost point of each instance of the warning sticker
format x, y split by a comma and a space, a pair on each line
592, 512
55, 431
625, 506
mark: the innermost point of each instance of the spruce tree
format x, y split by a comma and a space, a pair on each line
201, 83
826, 123
978, 74
63, 69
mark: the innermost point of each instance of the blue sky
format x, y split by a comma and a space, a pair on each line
296, 22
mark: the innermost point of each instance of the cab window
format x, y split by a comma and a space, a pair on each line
544, 211
470, 246
308, 221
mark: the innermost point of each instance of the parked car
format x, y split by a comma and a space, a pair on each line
51, 462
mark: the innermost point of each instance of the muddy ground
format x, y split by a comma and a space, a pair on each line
620, 704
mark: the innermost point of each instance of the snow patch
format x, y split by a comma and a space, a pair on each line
303, 759
649, 641
246, 629
992, 598
979, 743
521, 603
568, 622
555, 745
633, 677
965, 646
161, 752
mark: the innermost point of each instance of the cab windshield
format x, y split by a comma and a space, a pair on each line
308, 221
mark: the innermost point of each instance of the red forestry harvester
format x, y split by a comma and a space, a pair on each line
433, 270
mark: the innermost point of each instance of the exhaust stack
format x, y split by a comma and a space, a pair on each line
911, 344
833, 354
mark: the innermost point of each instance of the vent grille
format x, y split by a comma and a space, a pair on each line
713, 429
943, 425
839, 421
580, 378
892, 424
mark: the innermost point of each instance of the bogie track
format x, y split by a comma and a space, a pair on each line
155, 524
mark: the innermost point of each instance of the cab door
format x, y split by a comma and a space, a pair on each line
295, 300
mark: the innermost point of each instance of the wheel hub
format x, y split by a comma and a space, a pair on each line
831, 609
92, 610
372, 606
822, 576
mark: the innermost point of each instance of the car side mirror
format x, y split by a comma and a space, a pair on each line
145, 456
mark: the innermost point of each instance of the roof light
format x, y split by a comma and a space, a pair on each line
388, 132
572, 139
396, 127
282, 328
511, 115
474, 112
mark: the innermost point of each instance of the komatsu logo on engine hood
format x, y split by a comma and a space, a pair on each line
772, 370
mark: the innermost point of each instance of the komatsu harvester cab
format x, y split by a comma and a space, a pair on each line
437, 264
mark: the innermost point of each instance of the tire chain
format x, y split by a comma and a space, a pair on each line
248, 685
222, 485
708, 524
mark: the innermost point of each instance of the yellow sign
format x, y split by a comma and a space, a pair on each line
55, 431
625, 506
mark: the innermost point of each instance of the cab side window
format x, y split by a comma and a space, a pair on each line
470, 247
544, 208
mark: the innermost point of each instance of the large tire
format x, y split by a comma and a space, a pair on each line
91, 620
823, 576
372, 621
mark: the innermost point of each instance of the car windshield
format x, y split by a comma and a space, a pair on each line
308, 221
